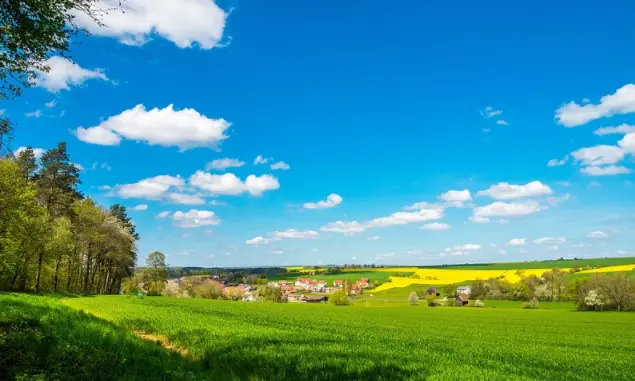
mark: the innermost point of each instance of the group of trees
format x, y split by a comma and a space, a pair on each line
52, 238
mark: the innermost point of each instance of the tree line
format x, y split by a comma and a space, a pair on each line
52, 238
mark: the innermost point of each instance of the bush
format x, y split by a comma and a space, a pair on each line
270, 294
209, 290
172, 289
431, 300
339, 298
531, 305
413, 298
479, 303
156, 288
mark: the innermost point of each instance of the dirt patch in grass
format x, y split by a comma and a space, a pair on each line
161, 340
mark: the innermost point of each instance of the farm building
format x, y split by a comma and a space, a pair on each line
461, 300
295, 298
464, 290
433, 291
315, 299
338, 283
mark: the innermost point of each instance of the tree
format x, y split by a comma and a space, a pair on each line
618, 289
450, 290
158, 269
270, 293
339, 298
28, 164
413, 298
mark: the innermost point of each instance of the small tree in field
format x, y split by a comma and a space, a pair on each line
431, 300
339, 298
413, 298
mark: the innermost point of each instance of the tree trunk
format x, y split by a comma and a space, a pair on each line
87, 270
56, 276
40, 259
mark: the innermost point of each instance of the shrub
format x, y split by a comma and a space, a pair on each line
339, 298
479, 303
531, 305
270, 294
431, 300
413, 298
172, 289
155, 288
209, 290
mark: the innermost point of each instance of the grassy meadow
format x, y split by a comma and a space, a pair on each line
49, 339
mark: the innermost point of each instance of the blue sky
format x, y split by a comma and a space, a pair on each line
431, 125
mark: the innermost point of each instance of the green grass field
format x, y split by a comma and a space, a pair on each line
601, 262
259, 341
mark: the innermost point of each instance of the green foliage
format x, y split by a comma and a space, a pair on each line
450, 290
208, 290
270, 294
413, 298
431, 300
531, 305
339, 298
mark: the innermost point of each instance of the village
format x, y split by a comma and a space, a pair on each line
302, 290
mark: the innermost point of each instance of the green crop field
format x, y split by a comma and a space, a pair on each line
221, 340
599, 262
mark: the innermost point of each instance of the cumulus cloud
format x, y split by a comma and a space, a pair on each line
195, 218
506, 191
467, 247
456, 198
260, 240
280, 165
403, 218
139, 208
37, 152
164, 214
222, 164
150, 188
504, 209
622, 129
345, 227
230, 184
490, 112
436, 226
557, 163
599, 155
282, 235
165, 127
628, 143
608, 170
502, 122
479, 219
184, 198
261, 160
63, 74
517, 241
331, 201
620, 102
186, 23
597, 234
550, 240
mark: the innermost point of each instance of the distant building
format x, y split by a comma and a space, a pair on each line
462, 300
464, 290
315, 299
338, 283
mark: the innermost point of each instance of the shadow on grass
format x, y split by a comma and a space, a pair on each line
41, 339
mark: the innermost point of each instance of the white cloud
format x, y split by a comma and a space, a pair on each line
277, 252
479, 219
599, 155
403, 218
259, 241
64, 73
504, 209
608, 170
104, 187
557, 163
151, 188
597, 234
230, 184
139, 208
165, 127
345, 227
79, 166
503, 252
550, 240
436, 226
50, 104
517, 241
502, 122
261, 160
628, 143
424, 205
621, 102
564, 183
467, 246
374, 238
184, 198
195, 218
621, 129
383, 256
222, 164
186, 23
280, 165
37, 152
456, 198
490, 112
331, 201
502, 221
295, 234
164, 214
506, 191
34, 114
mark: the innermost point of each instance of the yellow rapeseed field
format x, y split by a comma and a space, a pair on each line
610, 269
443, 276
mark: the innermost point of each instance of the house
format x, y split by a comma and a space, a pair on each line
330, 290
338, 283
464, 290
433, 291
244, 287
462, 300
315, 299
364, 283
303, 283
317, 285
282, 283
295, 298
